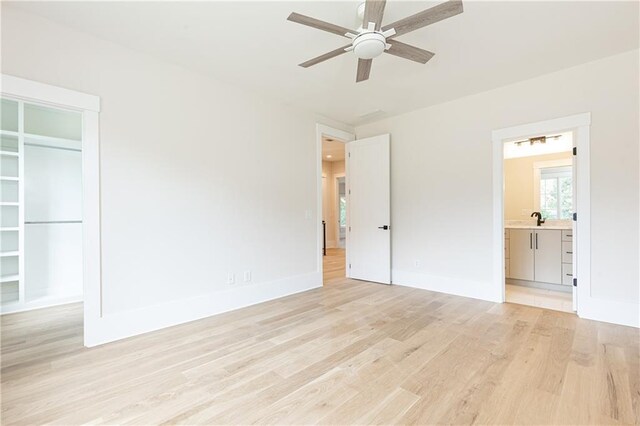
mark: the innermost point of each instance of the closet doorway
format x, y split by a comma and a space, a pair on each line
41, 181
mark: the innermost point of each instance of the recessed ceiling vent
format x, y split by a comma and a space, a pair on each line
372, 114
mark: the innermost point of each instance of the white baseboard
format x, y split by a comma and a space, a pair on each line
611, 311
614, 312
467, 288
45, 302
120, 325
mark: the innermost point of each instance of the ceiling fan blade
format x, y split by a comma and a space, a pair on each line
324, 57
316, 23
426, 17
364, 68
373, 11
409, 52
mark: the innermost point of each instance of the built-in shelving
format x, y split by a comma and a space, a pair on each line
9, 278
11, 202
29, 130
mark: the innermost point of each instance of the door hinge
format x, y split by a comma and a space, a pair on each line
349, 266
349, 229
575, 282
575, 217
349, 155
575, 150
349, 192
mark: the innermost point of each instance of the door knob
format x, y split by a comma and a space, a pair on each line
385, 227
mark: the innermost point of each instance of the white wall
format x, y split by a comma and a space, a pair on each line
441, 178
199, 179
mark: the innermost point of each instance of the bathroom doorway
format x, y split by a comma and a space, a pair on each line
538, 227
566, 250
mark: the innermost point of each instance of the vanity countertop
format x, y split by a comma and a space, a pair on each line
563, 227
531, 224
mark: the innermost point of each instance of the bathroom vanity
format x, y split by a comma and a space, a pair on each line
539, 254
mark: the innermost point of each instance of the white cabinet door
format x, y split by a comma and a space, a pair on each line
521, 264
369, 239
548, 258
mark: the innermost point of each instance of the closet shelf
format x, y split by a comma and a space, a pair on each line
9, 204
10, 228
9, 253
9, 153
9, 278
10, 178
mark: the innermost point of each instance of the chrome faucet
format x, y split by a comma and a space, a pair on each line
539, 218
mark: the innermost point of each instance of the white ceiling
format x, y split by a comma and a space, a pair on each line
333, 148
251, 44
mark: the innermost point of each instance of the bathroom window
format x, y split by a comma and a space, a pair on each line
556, 192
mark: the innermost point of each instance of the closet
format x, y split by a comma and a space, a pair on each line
41, 223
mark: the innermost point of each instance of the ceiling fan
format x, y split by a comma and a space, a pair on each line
372, 39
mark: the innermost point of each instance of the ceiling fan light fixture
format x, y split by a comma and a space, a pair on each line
369, 45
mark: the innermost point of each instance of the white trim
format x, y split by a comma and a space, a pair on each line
441, 284
89, 106
616, 312
45, 302
130, 323
526, 131
30, 90
343, 136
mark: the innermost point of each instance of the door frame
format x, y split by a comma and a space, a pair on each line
580, 125
89, 107
343, 136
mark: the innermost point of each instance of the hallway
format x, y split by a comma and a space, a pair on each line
334, 266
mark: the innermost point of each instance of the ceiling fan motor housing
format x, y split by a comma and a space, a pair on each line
369, 44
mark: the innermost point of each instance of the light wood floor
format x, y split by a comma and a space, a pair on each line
348, 353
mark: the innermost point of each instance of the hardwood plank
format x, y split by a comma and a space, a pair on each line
349, 353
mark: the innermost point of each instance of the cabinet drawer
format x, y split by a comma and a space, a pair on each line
567, 252
567, 235
567, 274
506, 249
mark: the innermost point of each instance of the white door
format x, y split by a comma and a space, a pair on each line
521, 254
369, 192
548, 258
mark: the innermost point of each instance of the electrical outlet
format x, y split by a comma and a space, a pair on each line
307, 214
416, 263
247, 276
231, 278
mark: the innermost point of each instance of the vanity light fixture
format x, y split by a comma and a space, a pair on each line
537, 139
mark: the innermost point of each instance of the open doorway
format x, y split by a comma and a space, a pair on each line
334, 208
41, 235
539, 199
51, 190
